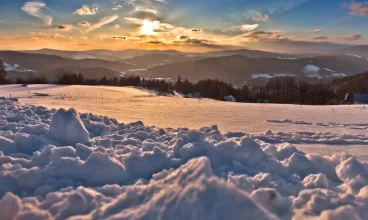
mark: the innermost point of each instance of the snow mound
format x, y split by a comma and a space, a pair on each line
67, 128
62, 164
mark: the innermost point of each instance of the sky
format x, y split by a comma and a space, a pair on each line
186, 25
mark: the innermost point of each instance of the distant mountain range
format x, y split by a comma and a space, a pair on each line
50, 65
235, 66
361, 51
239, 69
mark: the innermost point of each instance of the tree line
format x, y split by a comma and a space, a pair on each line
287, 90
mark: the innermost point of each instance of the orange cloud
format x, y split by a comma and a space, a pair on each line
358, 9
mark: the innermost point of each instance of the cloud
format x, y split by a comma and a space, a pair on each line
260, 18
147, 10
278, 7
85, 10
354, 37
320, 38
64, 27
249, 27
260, 35
125, 38
157, 26
197, 30
84, 24
242, 28
137, 21
116, 26
35, 9
116, 8
316, 31
154, 42
46, 36
358, 9
102, 22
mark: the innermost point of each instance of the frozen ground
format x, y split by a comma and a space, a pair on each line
129, 105
59, 164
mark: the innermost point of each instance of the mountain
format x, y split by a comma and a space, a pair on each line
130, 53
40, 64
77, 55
151, 60
357, 51
238, 69
243, 52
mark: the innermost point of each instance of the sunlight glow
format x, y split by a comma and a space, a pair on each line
149, 27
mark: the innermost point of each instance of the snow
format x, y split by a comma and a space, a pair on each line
67, 128
261, 75
287, 58
312, 71
339, 74
230, 98
354, 55
16, 68
269, 76
311, 68
58, 164
129, 105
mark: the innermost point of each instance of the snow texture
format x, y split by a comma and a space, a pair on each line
269, 76
312, 71
58, 164
16, 68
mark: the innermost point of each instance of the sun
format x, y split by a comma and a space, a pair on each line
148, 27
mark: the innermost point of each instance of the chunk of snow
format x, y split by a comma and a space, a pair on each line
67, 128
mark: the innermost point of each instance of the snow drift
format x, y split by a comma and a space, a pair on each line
58, 164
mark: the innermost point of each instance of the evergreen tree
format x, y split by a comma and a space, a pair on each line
2, 72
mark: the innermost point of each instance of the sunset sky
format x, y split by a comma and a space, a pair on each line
187, 25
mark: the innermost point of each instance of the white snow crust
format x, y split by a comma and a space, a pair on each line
99, 168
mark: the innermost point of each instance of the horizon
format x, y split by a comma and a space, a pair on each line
292, 26
181, 51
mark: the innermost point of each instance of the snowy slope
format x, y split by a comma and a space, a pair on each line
129, 105
98, 168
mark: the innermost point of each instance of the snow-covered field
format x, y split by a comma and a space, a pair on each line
61, 164
130, 105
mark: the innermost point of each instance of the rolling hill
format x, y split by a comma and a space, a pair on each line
358, 51
48, 65
237, 69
